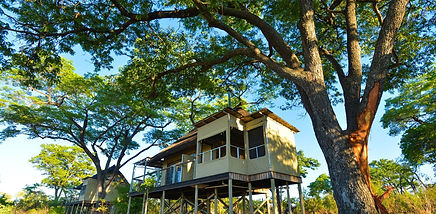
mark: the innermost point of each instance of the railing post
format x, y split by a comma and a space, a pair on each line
174, 174
133, 177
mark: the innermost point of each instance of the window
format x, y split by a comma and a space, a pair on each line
237, 144
173, 174
212, 148
256, 143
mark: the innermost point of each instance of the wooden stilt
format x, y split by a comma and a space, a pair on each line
279, 199
181, 210
208, 205
196, 200
81, 208
267, 203
300, 193
162, 203
250, 197
128, 205
289, 199
274, 196
243, 204
230, 196
145, 202
216, 200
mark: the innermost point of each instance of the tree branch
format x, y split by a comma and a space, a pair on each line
273, 37
383, 51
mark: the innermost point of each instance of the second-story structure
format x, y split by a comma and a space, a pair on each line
228, 154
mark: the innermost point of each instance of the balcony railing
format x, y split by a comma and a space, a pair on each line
237, 152
215, 153
156, 177
219, 152
257, 151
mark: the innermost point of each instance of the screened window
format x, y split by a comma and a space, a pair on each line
256, 143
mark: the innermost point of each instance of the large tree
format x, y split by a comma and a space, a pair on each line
295, 49
92, 112
64, 166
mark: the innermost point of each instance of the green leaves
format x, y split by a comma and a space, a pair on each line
413, 113
390, 173
64, 166
321, 186
305, 163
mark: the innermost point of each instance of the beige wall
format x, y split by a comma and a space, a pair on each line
91, 191
237, 165
215, 127
281, 147
212, 167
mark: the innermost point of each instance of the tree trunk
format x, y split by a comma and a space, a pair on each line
101, 186
351, 191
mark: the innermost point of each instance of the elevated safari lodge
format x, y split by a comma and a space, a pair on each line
229, 156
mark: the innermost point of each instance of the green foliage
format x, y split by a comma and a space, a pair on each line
64, 166
5, 199
401, 176
422, 202
325, 205
321, 186
32, 198
413, 113
92, 112
305, 163
122, 202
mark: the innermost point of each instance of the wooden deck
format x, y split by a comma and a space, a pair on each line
207, 185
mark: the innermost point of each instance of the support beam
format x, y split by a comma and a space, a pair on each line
230, 195
128, 204
267, 203
250, 197
162, 203
196, 200
279, 199
145, 202
300, 193
289, 199
216, 200
243, 203
274, 196
81, 208
182, 197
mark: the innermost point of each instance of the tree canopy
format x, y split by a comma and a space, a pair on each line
91, 112
413, 113
314, 53
64, 167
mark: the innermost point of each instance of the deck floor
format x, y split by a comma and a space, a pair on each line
206, 185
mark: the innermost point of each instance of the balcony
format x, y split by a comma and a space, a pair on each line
155, 177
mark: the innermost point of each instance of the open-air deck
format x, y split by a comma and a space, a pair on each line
229, 154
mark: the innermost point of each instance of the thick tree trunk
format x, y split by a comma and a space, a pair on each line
351, 191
